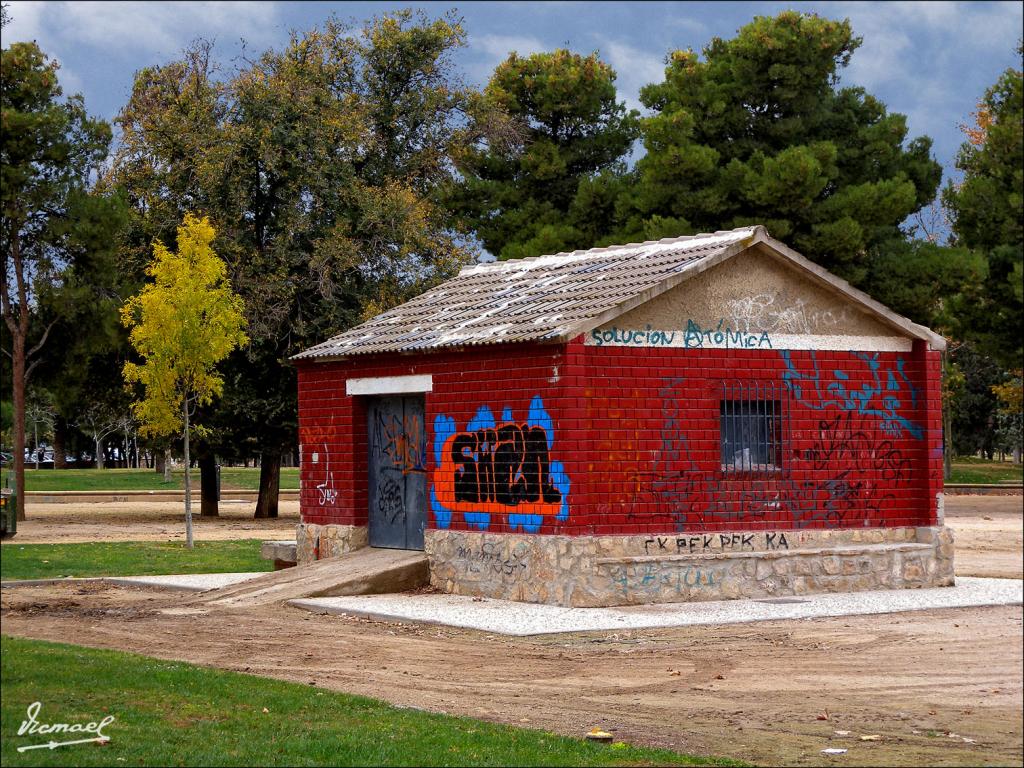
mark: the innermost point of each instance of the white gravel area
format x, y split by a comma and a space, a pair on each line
511, 618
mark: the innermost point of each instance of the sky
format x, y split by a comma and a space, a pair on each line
931, 61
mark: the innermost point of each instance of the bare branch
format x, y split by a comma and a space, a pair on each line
31, 367
42, 341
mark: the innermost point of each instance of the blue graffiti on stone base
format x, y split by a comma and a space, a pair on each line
877, 399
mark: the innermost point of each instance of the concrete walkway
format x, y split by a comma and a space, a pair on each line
367, 571
512, 618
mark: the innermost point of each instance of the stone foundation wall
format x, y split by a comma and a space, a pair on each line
627, 570
316, 542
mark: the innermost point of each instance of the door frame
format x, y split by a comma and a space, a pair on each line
367, 390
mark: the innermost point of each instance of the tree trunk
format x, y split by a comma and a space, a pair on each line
59, 443
270, 483
188, 480
167, 465
16, 320
947, 448
18, 395
208, 499
99, 453
159, 461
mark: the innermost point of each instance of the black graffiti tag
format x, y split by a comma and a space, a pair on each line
507, 465
390, 503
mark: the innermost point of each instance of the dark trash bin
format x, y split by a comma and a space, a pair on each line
8, 513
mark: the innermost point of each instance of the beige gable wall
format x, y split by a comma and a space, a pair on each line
751, 300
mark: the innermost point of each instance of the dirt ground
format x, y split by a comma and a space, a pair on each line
148, 521
937, 687
989, 535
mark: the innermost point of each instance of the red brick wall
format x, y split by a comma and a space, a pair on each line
634, 436
862, 445
502, 378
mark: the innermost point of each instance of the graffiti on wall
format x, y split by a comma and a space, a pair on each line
326, 493
765, 311
499, 469
715, 543
885, 397
510, 562
694, 336
724, 337
847, 438
390, 502
824, 490
318, 481
654, 579
402, 440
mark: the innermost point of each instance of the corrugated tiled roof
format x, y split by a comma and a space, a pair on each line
545, 298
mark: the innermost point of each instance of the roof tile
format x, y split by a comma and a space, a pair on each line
543, 298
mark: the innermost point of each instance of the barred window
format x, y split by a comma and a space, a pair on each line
751, 420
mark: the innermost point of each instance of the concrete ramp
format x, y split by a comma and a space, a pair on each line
367, 571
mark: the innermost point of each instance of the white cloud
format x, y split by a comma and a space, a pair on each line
635, 67
951, 30
26, 21
689, 25
498, 47
930, 61
70, 81
491, 49
139, 27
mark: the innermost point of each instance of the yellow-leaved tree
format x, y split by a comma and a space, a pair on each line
182, 324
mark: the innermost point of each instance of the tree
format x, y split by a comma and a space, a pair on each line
39, 411
99, 421
519, 194
48, 151
759, 132
987, 209
1010, 414
974, 404
319, 167
182, 324
925, 281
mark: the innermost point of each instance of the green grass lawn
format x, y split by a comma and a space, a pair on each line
171, 713
968, 469
129, 558
231, 478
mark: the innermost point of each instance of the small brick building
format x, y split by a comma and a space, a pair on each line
689, 419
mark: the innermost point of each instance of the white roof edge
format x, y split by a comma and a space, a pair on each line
704, 237
935, 340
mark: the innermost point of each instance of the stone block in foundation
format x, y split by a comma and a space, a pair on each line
627, 570
317, 542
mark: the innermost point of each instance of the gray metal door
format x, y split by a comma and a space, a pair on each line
398, 472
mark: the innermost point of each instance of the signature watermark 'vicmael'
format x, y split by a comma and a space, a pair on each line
33, 726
